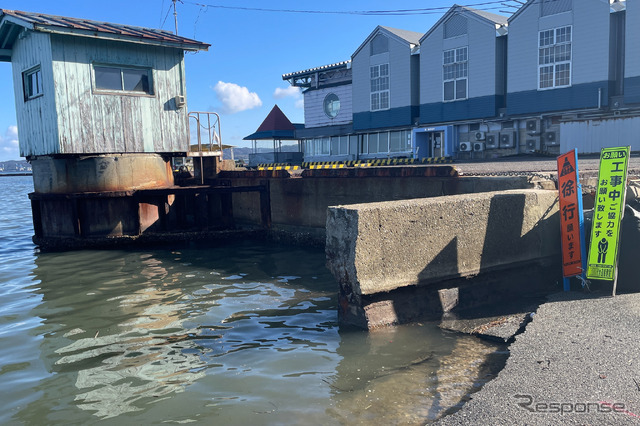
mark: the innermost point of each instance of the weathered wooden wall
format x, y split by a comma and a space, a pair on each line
91, 122
36, 117
72, 118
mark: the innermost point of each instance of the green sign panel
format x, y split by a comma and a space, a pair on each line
607, 213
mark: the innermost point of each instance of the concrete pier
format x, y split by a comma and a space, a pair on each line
396, 261
299, 202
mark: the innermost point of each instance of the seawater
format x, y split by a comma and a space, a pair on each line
242, 333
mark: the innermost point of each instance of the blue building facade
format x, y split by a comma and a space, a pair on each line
481, 85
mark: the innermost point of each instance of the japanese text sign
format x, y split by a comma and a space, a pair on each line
607, 213
571, 217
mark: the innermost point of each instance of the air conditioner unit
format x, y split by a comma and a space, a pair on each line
180, 101
507, 139
479, 136
492, 140
533, 144
465, 146
551, 138
532, 125
478, 146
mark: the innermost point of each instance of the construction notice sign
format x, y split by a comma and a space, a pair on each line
607, 213
571, 217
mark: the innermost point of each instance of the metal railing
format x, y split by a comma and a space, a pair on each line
210, 122
212, 145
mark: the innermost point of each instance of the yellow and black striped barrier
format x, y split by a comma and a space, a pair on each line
317, 165
375, 162
277, 167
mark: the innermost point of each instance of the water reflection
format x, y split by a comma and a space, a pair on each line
243, 334
136, 328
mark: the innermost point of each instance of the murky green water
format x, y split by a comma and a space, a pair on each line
241, 334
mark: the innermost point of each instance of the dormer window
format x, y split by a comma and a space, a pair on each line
108, 78
32, 83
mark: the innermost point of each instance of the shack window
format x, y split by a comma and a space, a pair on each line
32, 83
121, 79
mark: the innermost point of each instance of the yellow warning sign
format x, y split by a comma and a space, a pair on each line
607, 213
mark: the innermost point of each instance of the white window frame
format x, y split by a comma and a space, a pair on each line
380, 96
555, 55
455, 70
32, 83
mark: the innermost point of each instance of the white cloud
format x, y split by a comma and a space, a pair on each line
9, 144
290, 92
236, 98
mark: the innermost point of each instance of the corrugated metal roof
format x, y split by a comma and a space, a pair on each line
105, 30
343, 64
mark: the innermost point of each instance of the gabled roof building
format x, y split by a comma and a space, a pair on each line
555, 75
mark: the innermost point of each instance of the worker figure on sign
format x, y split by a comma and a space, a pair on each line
603, 246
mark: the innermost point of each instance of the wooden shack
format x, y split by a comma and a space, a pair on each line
101, 110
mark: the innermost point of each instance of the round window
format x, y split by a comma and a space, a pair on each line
331, 105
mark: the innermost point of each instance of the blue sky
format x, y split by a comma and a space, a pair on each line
241, 74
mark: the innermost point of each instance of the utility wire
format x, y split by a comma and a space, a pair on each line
166, 16
161, 9
423, 11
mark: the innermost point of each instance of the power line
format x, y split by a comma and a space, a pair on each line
422, 11
166, 16
161, 9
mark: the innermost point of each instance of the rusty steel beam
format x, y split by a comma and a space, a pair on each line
265, 204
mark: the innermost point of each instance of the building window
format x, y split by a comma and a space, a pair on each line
379, 87
331, 105
454, 74
339, 145
554, 58
32, 83
386, 143
121, 79
317, 146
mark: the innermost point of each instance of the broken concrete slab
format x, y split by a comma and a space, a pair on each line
377, 248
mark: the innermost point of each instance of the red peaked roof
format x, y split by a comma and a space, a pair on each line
276, 120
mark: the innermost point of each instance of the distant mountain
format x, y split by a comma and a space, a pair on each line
243, 153
15, 166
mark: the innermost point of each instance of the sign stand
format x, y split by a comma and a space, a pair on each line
611, 194
571, 218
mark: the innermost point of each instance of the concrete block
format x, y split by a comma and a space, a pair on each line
377, 248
